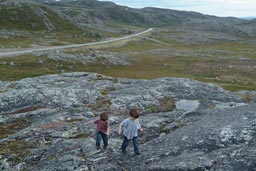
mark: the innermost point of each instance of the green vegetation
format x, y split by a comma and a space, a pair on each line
37, 25
107, 90
228, 64
33, 17
43, 39
22, 17
24, 67
30, 66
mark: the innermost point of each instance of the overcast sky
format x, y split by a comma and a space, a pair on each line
236, 8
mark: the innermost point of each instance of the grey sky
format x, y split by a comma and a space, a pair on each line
236, 8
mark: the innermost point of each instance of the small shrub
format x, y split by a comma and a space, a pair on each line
247, 97
101, 103
166, 104
107, 90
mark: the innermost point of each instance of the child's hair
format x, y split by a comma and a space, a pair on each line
104, 116
134, 113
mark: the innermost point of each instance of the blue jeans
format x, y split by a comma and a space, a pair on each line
100, 135
126, 143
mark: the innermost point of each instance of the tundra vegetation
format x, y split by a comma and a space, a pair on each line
230, 64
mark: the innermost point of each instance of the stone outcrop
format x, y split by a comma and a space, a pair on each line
96, 57
188, 125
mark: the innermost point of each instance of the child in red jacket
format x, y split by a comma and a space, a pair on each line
102, 129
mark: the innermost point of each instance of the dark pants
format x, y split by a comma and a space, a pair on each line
100, 135
135, 144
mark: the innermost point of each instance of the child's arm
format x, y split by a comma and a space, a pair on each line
139, 127
123, 123
120, 129
108, 129
90, 122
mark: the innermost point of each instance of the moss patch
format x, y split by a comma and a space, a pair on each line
81, 136
165, 104
107, 90
20, 148
13, 127
26, 109
101, 103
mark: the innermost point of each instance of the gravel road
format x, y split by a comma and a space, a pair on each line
15, 53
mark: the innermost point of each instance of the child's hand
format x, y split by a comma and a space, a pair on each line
119, 132
141, 129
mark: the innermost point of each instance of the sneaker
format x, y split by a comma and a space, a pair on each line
105, 146
98, 147
136, 154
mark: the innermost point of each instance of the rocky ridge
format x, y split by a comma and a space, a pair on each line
101, 15
189, 125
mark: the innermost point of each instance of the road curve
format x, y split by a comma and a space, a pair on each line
7, 54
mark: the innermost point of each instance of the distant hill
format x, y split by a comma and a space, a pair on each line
249, 18
108, 11
95, 14
106, 16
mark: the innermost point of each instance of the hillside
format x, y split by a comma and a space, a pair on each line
32, 23
94, 13
58, 15
26, 15
26, 24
